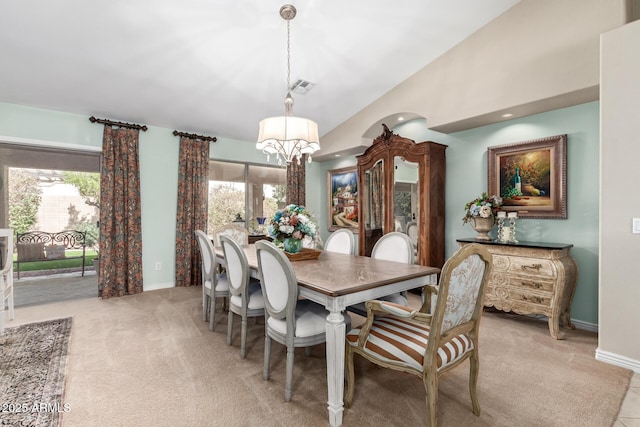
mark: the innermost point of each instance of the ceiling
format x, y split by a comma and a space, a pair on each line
219, 67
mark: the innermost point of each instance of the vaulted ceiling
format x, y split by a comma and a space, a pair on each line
219, 67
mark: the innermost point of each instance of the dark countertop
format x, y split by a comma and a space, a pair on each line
542, 245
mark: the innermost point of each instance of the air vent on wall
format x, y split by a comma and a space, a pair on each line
302, 87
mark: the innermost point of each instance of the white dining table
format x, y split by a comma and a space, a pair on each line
337, 281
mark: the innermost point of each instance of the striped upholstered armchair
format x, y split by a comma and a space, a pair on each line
423, 344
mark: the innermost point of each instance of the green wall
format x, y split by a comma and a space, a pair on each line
158, 172
467, 179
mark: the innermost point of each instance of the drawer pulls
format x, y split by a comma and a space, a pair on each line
535, 285
536, 267
536, 300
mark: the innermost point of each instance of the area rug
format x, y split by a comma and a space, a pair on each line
32, 369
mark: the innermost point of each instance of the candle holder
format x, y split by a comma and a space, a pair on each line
507, 233
501, 217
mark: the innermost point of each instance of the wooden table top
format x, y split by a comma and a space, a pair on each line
335, 274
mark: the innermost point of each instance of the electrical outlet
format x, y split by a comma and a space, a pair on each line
636, 226
158, 265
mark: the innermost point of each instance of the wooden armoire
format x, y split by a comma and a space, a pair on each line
400, 182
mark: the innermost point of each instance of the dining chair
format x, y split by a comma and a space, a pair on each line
423, 344
237, 233
341, 241
214, 285
246, 298
412, 232
289, 321
394, 246
6, 272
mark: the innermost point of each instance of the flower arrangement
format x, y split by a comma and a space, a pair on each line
484, 206
292, 222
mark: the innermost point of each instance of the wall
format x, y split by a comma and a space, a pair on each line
158, 172
467, 179
619, 200
538, 56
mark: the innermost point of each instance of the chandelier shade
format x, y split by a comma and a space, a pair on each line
288, 137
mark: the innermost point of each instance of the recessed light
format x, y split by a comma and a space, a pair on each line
507, 115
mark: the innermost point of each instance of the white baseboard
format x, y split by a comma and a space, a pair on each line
157, 286
616, 359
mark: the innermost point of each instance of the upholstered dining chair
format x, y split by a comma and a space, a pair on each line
214, 285
236, 232
246, 298
394, 246
289, 321
428, 345
341, 241
6, 272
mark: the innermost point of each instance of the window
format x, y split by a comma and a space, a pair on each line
252, 191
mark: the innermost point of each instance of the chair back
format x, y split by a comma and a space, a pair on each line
460, 294
237, 266
341, 241
209, 264
236, 232
412, 232
6, 244
394, 246
279, 283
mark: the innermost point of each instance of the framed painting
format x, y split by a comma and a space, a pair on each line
343, 198
531, 177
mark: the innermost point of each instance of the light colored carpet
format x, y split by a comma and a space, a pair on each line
149, 359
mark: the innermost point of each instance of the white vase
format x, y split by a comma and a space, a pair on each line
483, 226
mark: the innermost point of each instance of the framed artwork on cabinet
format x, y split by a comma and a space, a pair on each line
531, 177
342, 188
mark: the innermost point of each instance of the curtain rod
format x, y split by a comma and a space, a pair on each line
194, 136
119, 124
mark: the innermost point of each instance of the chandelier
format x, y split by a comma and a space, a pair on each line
288, 137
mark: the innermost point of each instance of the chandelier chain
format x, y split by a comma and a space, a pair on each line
288, 56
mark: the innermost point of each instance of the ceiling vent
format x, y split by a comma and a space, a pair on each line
302, 87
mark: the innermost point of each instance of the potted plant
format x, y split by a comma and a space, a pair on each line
290, 226
481, 213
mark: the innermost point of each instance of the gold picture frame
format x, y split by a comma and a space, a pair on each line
531, 177
342, 189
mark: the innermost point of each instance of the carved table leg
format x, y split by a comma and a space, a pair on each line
335, 330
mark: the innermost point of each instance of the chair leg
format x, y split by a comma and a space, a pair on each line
229, 327
289, 377
474, 368
267, 357
431, 388
212, 314
205, 308
351, 377
243, 337
12, 314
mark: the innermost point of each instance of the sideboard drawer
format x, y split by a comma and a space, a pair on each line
525, 265
524, 282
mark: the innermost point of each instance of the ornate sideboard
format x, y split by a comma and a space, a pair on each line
532, 278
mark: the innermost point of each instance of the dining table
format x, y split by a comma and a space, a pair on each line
337, 281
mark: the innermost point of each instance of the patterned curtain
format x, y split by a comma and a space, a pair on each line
120, 265
193, 184
296, 182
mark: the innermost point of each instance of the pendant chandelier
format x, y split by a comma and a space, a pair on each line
288, 137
